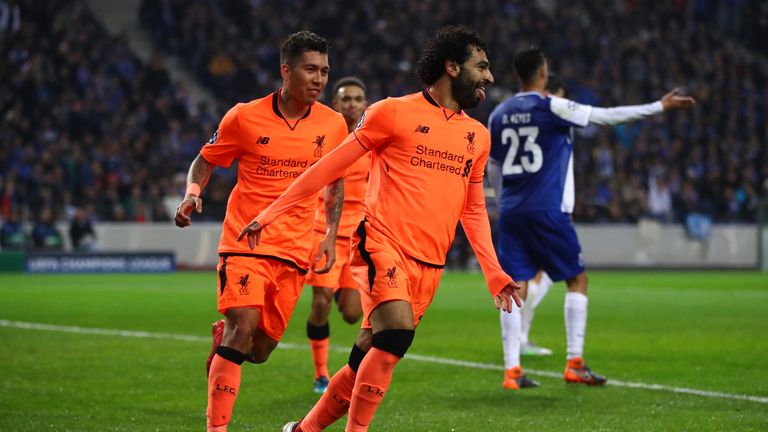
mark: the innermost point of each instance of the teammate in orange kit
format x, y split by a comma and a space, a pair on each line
428, 158
348, 95
274, 139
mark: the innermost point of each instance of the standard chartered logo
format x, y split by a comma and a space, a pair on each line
441, 160
277, 167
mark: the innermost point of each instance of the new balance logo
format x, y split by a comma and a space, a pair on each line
422, 129
262, 140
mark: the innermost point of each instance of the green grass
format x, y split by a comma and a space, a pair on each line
705, 331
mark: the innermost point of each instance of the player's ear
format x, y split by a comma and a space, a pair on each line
452, 68
285, 71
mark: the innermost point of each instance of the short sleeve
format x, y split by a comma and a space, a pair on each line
570, 113
377, 125
224, 145
478, 167
339, 132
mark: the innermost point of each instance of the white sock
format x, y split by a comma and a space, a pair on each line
526, 313
575, 310
510, 337
536, 292
543, 288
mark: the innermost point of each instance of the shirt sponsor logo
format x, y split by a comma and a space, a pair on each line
286, 168
439, 160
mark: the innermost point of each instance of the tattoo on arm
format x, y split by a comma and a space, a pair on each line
199, 172
334, 202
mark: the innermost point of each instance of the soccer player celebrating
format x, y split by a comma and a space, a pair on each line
349, 99
274, 139
530, 153
428, 158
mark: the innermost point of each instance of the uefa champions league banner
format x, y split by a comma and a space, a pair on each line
153, 262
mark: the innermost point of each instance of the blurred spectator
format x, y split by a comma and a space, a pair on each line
86, 123
608, 54
659, 199
12, 234
81, 231
45, 235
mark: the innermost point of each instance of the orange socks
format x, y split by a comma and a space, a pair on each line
223, 385
318, 340
333, 404
371, 384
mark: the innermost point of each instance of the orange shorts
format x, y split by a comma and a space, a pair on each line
271, 286
340, 275
384, 273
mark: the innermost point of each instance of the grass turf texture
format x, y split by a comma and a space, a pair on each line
703, 330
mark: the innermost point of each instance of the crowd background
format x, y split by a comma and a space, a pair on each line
88, 127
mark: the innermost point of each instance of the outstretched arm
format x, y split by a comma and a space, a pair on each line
623, 114
474, 219
334, 203
197, 178
327, 169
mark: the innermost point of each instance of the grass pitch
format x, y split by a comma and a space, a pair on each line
702, 331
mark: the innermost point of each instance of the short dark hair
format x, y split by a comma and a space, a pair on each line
346, 81
527, 63
554, 83
450, 43
299, 43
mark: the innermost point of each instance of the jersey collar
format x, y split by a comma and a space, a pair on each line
533, 92
428, 96
276, 109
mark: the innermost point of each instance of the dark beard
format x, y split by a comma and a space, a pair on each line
463, 90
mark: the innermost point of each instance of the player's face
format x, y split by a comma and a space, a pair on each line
308, 77
350, 102
469, 86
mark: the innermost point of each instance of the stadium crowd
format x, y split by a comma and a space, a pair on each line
89, 127
711, 160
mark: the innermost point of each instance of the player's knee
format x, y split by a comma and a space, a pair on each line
261, 351
321, 300
351, 316
394, 341
239, 332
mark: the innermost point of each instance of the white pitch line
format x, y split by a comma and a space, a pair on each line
409, 356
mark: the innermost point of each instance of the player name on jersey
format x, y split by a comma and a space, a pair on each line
519, 118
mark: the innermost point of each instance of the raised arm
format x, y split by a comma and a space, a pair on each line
474, 220
327, 169
197, 178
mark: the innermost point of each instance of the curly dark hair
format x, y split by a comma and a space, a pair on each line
450, 43
299, 43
